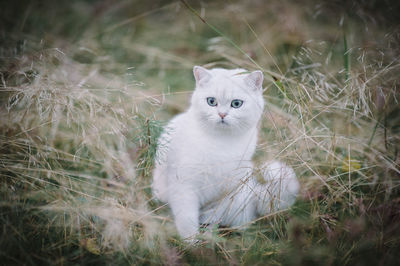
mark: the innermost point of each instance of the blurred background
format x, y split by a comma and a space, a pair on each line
87, 85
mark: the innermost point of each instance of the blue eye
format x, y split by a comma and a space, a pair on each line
212, 101
236, 103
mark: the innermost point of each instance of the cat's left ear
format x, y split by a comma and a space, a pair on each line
255, 79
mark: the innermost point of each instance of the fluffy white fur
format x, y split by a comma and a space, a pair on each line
203, 164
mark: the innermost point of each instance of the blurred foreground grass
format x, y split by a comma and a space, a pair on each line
87, 85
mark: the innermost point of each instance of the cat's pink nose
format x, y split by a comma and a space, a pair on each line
222, 115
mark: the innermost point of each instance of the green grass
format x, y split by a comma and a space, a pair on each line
86, 88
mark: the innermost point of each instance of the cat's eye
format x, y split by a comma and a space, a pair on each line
236, 103
212, 101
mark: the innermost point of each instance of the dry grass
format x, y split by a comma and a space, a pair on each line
79, 126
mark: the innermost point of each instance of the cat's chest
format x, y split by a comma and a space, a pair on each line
214, 157
220, 150
213, 167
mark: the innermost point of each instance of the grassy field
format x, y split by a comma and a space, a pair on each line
86, 87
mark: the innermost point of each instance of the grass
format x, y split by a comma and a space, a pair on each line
86, 88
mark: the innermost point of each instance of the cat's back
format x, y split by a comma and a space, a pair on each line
183, 134
165, 150
179, 137
178, 126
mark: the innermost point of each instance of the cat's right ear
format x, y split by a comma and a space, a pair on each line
201, 75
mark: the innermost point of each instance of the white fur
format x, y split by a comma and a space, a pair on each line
203, 167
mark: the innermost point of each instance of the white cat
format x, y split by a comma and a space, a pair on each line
203, 167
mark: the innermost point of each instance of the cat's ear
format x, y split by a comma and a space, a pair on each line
255, 79
201, 75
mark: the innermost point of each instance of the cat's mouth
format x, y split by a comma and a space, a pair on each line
223, 122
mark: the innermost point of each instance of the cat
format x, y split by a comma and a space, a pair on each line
203, 167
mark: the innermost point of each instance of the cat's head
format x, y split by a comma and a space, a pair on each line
227, 100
